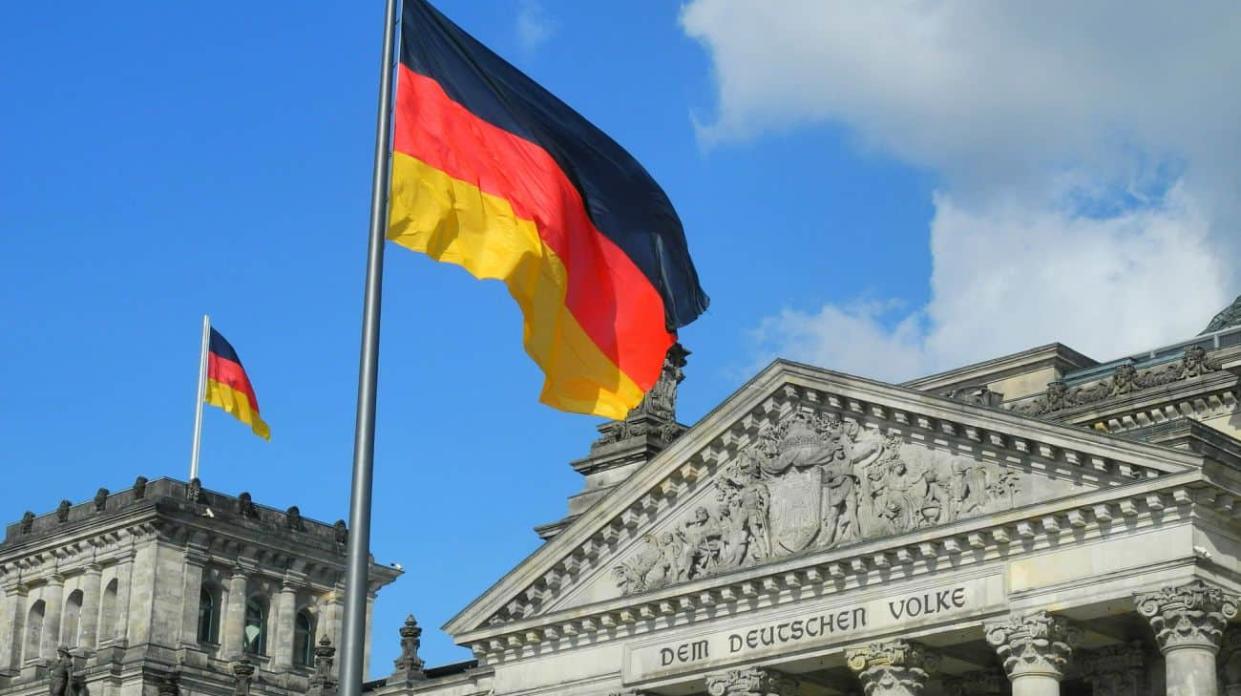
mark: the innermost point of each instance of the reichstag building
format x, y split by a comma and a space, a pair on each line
1036, 524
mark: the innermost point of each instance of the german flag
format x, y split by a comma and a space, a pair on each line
495, 174
228, 386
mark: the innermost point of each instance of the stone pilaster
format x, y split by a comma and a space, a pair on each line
1034, 649
1189, 622
12, 629
89, 626
1117, 670
892, 668
285, 621
53, 605
191, 595
234, 615
752, 681
124, 588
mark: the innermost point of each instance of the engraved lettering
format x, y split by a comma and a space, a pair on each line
958, 597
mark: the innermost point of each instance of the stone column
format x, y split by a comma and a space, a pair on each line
53, 604
89, 619
124, 582
1035, 650
192, 571
12, 629
752, 681
234, 615
284, 622
1189, 622
1117, 670
892, 668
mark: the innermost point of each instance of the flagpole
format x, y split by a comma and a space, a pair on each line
202, 396
353, 639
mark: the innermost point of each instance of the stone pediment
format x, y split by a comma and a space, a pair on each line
798, 463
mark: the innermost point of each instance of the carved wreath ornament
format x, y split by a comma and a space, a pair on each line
814, 482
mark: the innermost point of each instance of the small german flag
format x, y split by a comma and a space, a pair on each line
228, 386
495, 174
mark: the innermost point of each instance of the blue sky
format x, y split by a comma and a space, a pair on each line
162, 161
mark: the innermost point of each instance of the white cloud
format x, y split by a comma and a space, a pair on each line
1089, 154
533, 25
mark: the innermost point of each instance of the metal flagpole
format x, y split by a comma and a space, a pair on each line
202, 396
353, 639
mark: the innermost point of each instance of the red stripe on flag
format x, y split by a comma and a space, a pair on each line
607, 293
227, 372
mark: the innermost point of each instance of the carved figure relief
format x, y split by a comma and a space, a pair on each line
814, 482
1125, 379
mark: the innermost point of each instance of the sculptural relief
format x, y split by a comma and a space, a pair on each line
814, 482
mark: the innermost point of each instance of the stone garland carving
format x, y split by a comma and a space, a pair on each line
1116, 670
1126, 379
892, 668
656, 414
1039, 643
1189, 615
815, 482
753, 681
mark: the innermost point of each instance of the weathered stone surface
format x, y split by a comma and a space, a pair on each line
892, 668
1035, 644
753, 681
1188, 615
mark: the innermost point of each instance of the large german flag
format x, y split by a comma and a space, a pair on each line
493, 173
229, 387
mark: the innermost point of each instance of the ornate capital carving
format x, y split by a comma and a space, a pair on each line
754, 681
1193, 615
1038, 643
893, 668
1117, 670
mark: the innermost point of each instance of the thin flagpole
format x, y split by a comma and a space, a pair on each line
353, 640
202, 396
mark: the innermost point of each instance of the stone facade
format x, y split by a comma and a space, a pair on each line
1037, 524
167, 588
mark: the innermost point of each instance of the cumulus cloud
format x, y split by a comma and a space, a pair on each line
534, 27
1089, 155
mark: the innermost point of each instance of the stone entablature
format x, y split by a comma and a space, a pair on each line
1018, 444
971, 543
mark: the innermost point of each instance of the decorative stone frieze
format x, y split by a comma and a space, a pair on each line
1125, 379
752, 681
1035, 644
1116, 670
815, 482
1192, 615
892, 668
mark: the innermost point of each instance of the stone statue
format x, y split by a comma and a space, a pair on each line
140, 488
293, 518
61, 672
409, 666
62, 511
655, 415
246, 507
194, 493
101, 499
341, 531
27, 522
1228, 317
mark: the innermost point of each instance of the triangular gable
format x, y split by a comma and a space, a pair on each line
801, 460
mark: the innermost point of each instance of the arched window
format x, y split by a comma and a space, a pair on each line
304, 639
209, 615
107, 614
254, 639
34, 631
70, 619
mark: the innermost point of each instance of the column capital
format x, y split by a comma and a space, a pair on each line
752, 681
93, 568
1035, 644
1192, 615
892, 667
56, 579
